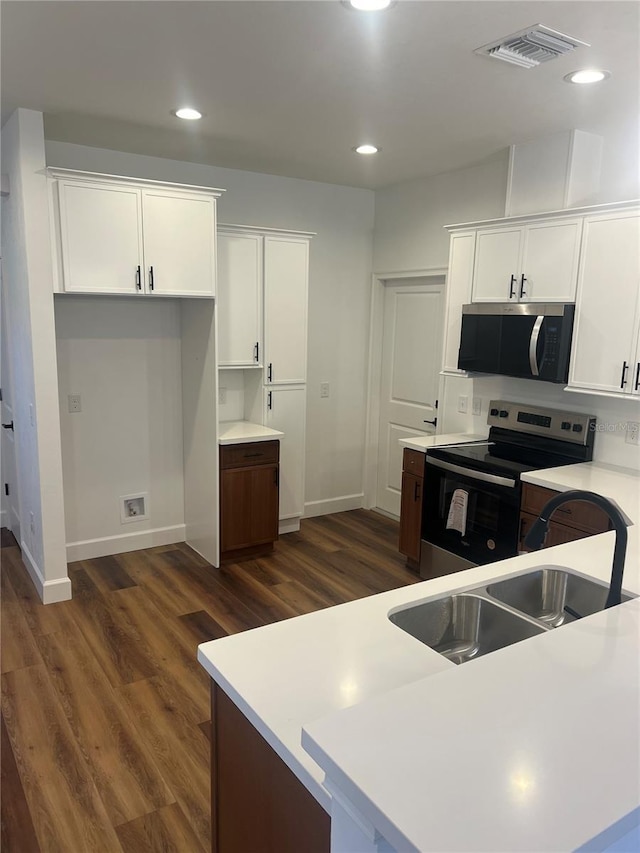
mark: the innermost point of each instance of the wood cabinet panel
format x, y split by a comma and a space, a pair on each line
413, 462
576, 514
410, 516
258, 804
558, 533
252, 453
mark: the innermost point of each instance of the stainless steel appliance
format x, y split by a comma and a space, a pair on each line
471, 503
527, 339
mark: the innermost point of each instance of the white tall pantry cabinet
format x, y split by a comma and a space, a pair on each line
262, 323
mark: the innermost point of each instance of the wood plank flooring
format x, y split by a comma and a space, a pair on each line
105, 711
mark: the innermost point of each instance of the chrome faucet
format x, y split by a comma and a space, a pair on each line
536, 536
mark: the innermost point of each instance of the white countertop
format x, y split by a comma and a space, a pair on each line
241, 432
424, 442
289, 675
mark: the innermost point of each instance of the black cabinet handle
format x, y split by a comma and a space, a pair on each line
522, 281
269, 400
512, 283
623, 378
434, 422
276, 476
416, 491
8, 426
138, 278
256, 351
150, 278
270, 372
637, 382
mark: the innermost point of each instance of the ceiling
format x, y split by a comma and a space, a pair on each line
289, 87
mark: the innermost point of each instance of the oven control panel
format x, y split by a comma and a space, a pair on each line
555, 423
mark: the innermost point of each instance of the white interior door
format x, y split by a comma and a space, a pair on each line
10, 504
411, 351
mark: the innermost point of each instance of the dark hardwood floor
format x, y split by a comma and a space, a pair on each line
105, 710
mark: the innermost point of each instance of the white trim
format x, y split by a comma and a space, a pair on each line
289, 525
88, 549
374, 370
3, 518
50, 592
60, 173
259, 229
5, 185
598, 392
330, 505
551, 214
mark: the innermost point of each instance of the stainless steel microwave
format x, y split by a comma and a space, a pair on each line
528, 339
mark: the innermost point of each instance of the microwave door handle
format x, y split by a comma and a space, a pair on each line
533, 346
471, 474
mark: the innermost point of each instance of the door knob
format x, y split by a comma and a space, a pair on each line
8, 426
434, 422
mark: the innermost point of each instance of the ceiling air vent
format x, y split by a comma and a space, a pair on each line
532, 46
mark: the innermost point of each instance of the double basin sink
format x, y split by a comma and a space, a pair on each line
473, 623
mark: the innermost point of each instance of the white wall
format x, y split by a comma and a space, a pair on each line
122, 355
27, 278
339, 291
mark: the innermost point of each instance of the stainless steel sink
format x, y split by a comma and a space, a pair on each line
544, 594
465, 626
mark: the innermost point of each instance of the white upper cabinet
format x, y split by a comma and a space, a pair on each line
605, 355
119, 235
458, 293
100, 238
531, 262
179, 243
239, 299
286, 273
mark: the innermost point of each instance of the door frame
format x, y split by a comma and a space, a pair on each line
374, 368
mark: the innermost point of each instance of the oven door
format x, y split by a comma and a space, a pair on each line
488, 530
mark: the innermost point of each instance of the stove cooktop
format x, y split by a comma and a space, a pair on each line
495, 458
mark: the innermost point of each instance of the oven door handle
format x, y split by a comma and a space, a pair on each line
533, 346
496, 479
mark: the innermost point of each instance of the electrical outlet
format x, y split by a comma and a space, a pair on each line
32, 417
222, 395
463, 402
324, 389
32, 524
632, 435
75, 402
476, 405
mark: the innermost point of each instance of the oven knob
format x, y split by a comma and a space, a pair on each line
494, 413
565, 425
504, 413
577, 427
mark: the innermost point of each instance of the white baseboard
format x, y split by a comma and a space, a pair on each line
330, 505
50, 592
91, 548
289, 525
4, 517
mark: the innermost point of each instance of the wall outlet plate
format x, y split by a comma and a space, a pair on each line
476, 406
463, 403
632, 434
324, 389
134, 507
75, 402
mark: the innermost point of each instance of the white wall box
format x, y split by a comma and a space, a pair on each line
533, 262
239, 298
124, 236
606, 340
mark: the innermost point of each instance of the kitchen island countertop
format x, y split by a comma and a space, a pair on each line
292, 674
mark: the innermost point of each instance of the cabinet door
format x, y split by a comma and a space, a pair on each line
558, 533
249, 506
410, 516
179, 243
458, 293
239, 300
286, 265
605, 332
550, 261
285, 411
101, 237
497, 264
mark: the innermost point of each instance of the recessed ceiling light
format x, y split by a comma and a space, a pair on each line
589, 75
369, 5
188, 113
366, 149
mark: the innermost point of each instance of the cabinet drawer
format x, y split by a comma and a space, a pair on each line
577, 514
413, 462
252, 453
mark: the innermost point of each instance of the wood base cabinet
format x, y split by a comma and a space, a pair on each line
249, 496
571, 521
257, 804
411, 506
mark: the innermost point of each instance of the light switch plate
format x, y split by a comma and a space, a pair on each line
632, 435
463, 402
75, 403
324, 389
476, 405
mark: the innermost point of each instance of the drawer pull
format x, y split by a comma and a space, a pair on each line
252, 455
